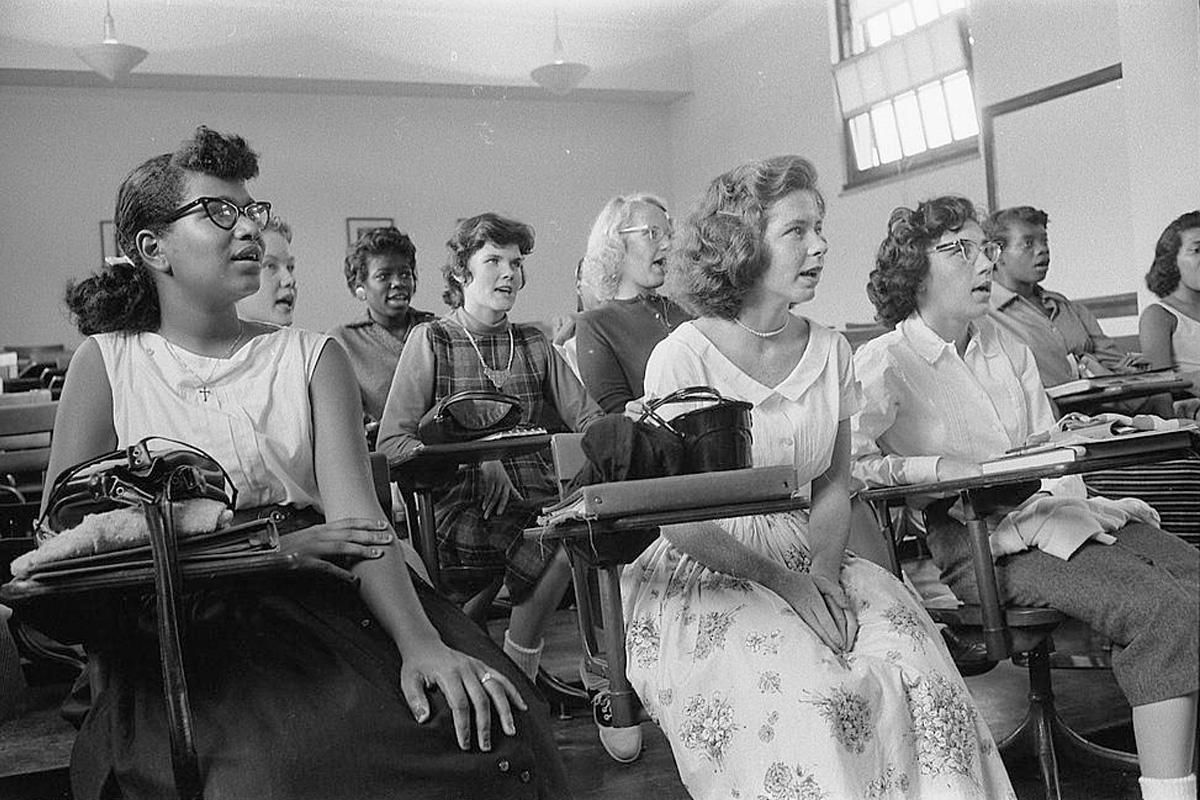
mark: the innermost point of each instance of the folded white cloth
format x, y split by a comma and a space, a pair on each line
119, 529
1060, 525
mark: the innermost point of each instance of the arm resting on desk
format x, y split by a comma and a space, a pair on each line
409, 398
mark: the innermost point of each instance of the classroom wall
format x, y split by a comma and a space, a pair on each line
762, 85
424, 161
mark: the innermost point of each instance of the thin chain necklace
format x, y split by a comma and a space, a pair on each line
204, 391
764, 334
498, 377
658, 307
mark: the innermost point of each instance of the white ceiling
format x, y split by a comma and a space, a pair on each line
630, 45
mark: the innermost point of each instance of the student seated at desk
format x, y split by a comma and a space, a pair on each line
1064, 336
482, 513
624, 266
1169, 329
381, 271
776, 663
947, 389
376, 688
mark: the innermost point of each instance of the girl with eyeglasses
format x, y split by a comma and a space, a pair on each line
624, 267
379, 688
947, 389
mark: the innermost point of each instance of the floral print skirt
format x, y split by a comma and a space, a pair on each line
756, 707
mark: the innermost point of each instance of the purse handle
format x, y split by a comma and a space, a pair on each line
475, 394
686, 395
135, 455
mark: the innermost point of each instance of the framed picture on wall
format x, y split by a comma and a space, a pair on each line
357, 226
108, 242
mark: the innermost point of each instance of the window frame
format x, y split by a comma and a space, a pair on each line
943, 155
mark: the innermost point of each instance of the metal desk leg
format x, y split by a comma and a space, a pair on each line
995, 627
426, 534
624, 702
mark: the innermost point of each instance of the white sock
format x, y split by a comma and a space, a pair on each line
526, 658
1169, 788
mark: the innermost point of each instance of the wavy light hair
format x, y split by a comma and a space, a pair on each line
600, 272
718, 252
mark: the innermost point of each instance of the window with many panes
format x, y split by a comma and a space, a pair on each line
902, 69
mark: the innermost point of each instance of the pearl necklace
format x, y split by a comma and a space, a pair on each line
204, 391
498, 377
764, 334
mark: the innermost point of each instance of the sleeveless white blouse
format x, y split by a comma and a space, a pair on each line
1185, 341
251, 412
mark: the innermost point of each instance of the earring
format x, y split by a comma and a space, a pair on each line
360, 293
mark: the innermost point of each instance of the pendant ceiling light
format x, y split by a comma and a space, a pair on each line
110, 58
560, 76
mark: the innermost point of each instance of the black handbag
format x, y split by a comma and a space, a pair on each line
151, 475
469, 415
141, 474
715, 437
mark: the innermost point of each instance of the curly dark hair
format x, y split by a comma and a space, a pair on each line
377, 242
995, 227
902, 261
469, 237
1163, 277
718, 251
122, 296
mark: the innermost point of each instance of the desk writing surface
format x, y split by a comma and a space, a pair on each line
442, 455
1122, 391
1172, 445
652, 519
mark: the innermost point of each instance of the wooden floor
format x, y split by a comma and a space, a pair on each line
1089, 699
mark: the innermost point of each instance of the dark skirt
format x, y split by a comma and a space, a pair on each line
295, 693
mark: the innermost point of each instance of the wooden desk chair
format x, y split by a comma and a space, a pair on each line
1024, 634
25, 430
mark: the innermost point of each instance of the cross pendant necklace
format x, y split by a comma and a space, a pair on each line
498, 377
203, 390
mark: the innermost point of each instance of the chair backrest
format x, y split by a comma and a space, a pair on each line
1119, 313
25, 430
567, 451
857, 333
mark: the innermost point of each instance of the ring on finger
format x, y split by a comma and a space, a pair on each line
485, 677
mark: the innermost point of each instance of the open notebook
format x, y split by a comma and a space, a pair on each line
699, 490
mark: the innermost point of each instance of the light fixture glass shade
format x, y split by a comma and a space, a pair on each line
110, 58
113, 60
560, 77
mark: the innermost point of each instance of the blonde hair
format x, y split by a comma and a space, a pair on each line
600, 272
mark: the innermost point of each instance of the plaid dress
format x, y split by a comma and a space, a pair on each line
465, 538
